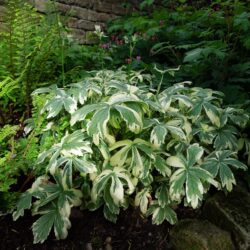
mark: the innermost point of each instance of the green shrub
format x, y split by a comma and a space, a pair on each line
119, 141
211, 43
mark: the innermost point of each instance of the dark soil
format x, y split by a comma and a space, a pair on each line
90, 231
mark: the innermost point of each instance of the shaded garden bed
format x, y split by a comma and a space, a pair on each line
90, 230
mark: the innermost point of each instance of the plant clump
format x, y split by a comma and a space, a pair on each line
125, 142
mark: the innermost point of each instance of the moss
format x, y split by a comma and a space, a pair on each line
199, 235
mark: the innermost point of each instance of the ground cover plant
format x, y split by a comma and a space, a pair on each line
126, 143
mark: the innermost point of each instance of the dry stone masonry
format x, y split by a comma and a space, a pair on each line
83, 15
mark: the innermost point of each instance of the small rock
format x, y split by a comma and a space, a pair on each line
108, 240
89, 246
232, 213
108, 247
199, 235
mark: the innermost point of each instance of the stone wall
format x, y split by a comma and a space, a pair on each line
83, 15
2, 10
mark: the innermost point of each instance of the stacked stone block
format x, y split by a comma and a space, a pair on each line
83, 15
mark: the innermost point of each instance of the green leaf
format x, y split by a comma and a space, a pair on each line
42, 227
84, 89
137, 150
162, 195
54, 217
23, 203
61, 99
109, 215
142, 199
175, 161
162, 213
161, 166
194, 154
193, 55
190, 175
132, 118
225, 138
117, 179
158, 135
81, 113
116, 190
98, 124
212, 113
84, 166
219, 162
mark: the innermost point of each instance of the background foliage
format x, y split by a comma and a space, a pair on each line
210, 42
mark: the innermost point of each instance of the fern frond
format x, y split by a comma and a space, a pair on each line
7, 86
7, 131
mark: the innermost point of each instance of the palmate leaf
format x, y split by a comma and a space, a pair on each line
137, 151
173, 94
97, 127
132, 118
174, 127
81, 91
117, 85
116, 179
57, 193
158, 135
142, 199
161, 213
59, 218
219, 163
205, 132
161, 166
81, 113
189, 178
69, 152
162, 195
59, 101
160, 131
203, 100
225, 138
54, 202
78, 163
25, 200
128, 106
23, 203
211, 111
236, 116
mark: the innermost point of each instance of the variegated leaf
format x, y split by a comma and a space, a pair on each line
142, 200
132, 118
158, 135
219, 163
189, 177
162, 213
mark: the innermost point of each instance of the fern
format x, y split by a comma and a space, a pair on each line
30, 46
7, 131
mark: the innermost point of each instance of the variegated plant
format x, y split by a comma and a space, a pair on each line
126, 141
